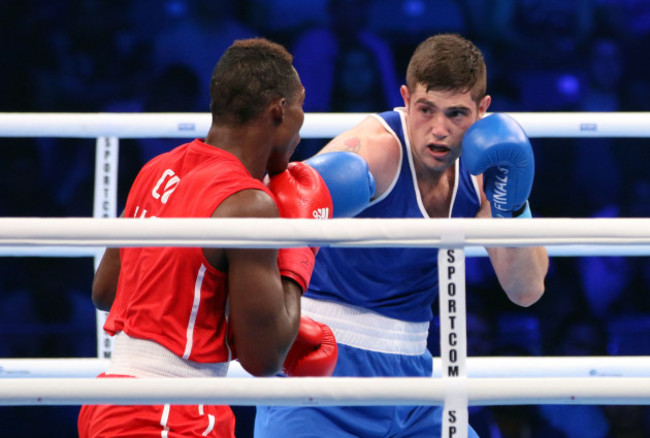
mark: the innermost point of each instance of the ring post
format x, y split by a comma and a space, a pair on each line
453, 341
105, 206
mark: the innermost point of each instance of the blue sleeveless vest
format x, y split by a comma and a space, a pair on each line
399, 283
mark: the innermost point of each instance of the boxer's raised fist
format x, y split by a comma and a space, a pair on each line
498, 147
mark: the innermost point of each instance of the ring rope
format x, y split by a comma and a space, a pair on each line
538, 366
316, 125
470, 251
319, 391
355, 232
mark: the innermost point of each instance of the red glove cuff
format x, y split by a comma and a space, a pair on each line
297, 264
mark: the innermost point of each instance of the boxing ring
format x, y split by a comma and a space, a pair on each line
461, 381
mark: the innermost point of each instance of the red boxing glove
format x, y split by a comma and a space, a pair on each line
313, 353
300, 192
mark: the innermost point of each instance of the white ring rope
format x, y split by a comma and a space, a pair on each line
317, 125
276, 233
546, 366
332, 391
471, 251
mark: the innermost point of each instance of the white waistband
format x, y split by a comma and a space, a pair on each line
363, 328
144, 358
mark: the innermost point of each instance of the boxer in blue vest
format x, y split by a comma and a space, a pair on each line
436, 157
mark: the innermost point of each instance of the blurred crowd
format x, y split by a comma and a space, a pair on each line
158, 55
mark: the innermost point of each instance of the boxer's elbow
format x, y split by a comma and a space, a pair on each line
261, 365
526, 295
522, 273
103, 296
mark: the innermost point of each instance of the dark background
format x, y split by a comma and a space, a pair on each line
157, 55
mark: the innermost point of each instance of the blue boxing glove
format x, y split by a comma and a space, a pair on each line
348, 179
498, 147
